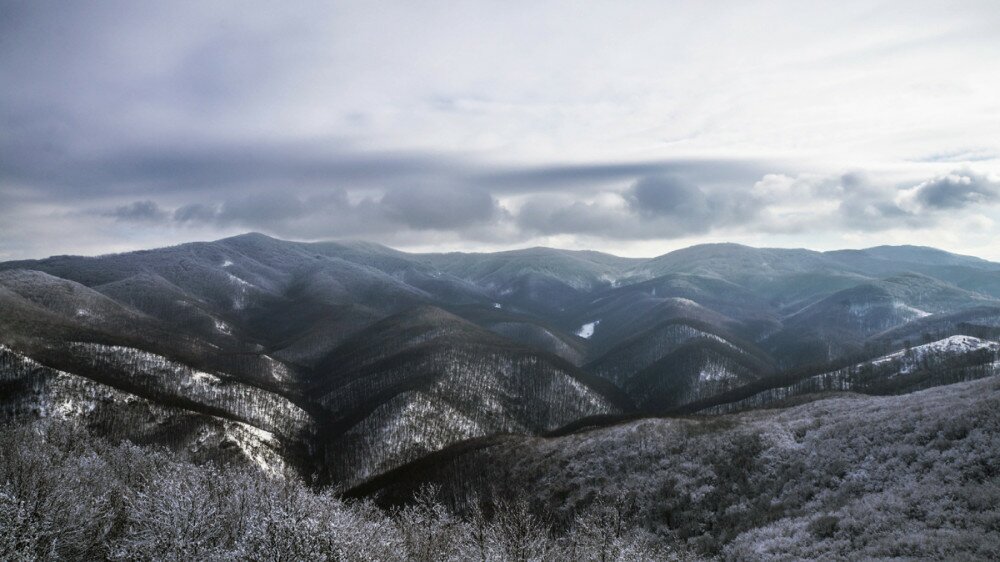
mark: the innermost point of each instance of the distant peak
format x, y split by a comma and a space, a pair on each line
428, 312
249, 236
908, 252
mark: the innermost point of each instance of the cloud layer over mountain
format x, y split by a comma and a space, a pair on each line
634, 128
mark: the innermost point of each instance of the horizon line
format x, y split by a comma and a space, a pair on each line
345, 241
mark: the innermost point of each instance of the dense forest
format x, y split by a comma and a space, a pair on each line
842, 478
839, 477
70, 495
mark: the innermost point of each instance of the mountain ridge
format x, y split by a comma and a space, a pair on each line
394, 355
259, 236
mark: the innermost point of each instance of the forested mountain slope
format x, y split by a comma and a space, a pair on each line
358, 358
423, 379
846, 477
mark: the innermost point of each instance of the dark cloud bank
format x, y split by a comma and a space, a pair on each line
425, 196
328, 189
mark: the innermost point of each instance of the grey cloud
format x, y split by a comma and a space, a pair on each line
653, 207
867, 206
659, 206
554, 215
693, 208
287, 213
439, 209
974, 154
225, 68
40, 152
669, 197
301, 188
138, 212
669, 206
264, 209
332, 213
195, 213
877, 215
854, 180
562, 176
218, 167
956, 190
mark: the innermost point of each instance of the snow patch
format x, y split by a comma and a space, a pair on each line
240, 299
860, 309
952, 345
587, 330
278, 370
205, 377
265, 436
258, 446
68, 407
223, 327
238, 281
712, 372
916, 312
642, 275
497, 305
227, 263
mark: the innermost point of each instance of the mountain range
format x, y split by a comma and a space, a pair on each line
347, 361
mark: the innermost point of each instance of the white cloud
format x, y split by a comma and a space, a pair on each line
97, 102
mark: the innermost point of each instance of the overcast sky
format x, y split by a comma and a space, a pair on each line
629, 127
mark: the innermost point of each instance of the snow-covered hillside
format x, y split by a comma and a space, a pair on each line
909, 359
950, 359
